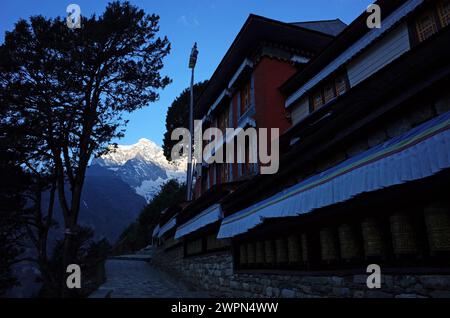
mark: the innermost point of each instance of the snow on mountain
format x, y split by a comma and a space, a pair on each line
143, 166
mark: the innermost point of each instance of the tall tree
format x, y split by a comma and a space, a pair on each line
178, 116
11, 215
72, 87
24, 178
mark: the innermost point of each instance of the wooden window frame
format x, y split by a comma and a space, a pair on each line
321, 90
330, 84
435, 11
313, 99
223, 120
440, 6
420, 35
344, 77
245, 99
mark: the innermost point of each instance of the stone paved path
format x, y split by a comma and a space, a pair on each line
138, 279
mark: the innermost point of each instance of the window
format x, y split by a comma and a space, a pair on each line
329, 92
223, 120
332, 88
230, 115
341, 85
444, 12
317, 100
431, 20
245, 98
426, 26
247, 168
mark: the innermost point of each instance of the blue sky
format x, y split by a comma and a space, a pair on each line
212, 23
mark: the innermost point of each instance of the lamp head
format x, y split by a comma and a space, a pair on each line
193, 57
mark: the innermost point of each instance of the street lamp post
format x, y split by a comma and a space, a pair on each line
192, 62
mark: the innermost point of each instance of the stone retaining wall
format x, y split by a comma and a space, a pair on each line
214, 273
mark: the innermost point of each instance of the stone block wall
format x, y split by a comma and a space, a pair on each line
214, 273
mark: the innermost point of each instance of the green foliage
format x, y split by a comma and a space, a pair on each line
138, 234
178, 116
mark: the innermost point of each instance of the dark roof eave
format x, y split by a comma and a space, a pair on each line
349, 35
255, 30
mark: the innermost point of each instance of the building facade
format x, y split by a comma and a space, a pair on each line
364, 169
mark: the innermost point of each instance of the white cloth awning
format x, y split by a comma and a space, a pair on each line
209, 216
168, 226
155, 231
419, 153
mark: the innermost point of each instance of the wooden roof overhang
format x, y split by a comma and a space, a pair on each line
255, 31
354, 31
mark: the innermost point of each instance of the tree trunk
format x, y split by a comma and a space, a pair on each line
69, 252
68, 257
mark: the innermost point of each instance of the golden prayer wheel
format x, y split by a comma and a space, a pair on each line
437, 220
281, 251
294, 250
260, 253
348, 241
374, 244
269, 249
251, 253
305, 250
243, 254
404, 238
328, 244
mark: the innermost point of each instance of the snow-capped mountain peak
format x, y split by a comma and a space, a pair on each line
146, 150
143, 166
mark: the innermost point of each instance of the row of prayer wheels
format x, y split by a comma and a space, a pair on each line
402, 231
290, 250
371, 238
